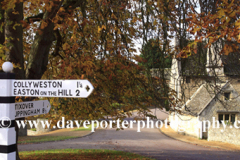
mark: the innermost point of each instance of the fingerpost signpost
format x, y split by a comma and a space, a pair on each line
9, 110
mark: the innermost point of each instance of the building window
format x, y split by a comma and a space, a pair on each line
226, 96
227, 117
232, 118
220, 118
187, 79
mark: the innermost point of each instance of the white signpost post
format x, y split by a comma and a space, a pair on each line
32, 108
9, 110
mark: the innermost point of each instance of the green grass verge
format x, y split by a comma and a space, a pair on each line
83, 129
81, 154
33, 129
40, 139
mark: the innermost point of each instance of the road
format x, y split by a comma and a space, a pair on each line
148, 142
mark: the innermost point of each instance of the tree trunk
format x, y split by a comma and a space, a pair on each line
2, 30
38, 56
14, 34
14, 54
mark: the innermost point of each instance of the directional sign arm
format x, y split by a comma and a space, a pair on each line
52, 88
31, 108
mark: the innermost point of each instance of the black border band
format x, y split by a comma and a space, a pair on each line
7, 99
11, 125
7, 75
8, 149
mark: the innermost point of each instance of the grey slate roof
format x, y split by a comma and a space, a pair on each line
199, 100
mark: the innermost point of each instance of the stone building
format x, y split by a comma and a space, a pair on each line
209, 88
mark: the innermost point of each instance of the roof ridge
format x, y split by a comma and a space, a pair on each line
212, 98
191, 98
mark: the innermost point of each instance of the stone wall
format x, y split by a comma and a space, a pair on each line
185, 124
40, 128
171, 119
229, 135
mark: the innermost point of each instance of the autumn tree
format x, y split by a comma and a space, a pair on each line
72, 39
153, 56
217, 25
214, 27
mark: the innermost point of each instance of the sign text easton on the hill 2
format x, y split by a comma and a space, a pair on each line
52, 88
